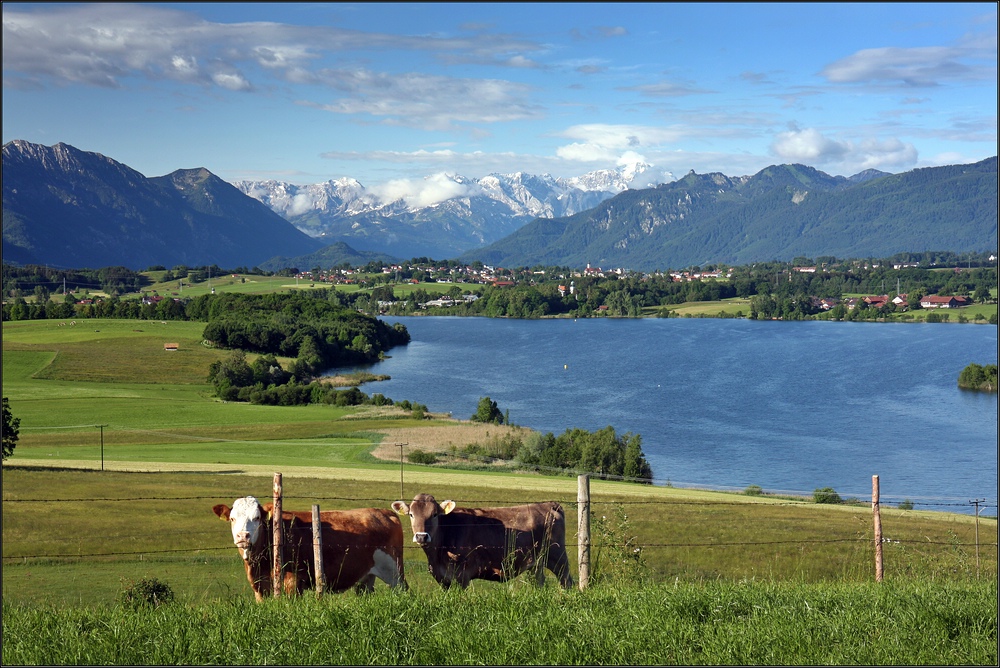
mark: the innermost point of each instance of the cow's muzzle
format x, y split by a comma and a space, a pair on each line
422, 537
243, 545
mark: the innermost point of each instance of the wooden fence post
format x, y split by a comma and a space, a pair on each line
877, 516
279, 554
318, 553
583, 532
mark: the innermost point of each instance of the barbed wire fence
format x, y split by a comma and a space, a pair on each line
584, 543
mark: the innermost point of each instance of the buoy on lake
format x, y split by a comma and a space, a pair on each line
565, 366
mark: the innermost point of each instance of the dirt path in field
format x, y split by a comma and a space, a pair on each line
441, 438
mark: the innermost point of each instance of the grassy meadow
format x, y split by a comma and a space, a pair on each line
717, 623
679, 576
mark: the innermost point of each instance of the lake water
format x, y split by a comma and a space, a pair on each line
789, 406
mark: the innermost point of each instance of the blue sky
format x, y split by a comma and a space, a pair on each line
395, 92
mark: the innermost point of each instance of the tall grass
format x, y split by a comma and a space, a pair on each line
720, 623
685, 536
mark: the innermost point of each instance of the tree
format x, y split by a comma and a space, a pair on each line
488, 412
826, 495
233, 372
11, 426
635, 465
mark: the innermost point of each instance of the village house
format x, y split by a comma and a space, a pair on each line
943, 301
877, 301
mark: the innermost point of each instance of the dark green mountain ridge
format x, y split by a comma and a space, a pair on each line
783, 211
71, 208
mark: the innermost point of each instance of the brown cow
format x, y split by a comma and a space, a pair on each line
498, 544
358, 546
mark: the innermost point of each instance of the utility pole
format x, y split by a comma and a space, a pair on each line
400, 446
976, 503
102, 426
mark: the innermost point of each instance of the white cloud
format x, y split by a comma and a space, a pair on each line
104, 44
301, 203
915, 66
185, 67
807, 146
231, 81
811, 147
609, 143
427, 101
666, 89
422, 192
887, 155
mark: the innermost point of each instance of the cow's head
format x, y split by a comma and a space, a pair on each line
246, 519
424, 512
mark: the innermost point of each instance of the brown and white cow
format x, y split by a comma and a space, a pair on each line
358, 546
464, 544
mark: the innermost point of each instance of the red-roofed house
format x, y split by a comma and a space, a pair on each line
943, 301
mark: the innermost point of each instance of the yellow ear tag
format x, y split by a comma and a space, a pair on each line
448, 506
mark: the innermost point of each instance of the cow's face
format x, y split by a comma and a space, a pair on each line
246, 519
424, 512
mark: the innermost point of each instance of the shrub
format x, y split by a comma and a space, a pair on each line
145, 592
420, 457
753, 490
826, 495
905, 504
617, 554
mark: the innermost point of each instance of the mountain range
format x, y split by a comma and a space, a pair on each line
782, 212
70, 208
444, 215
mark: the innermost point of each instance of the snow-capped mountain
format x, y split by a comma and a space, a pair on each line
441, 215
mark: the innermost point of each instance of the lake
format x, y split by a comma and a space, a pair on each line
723, 404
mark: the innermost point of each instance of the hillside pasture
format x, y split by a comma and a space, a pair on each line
681, 535
71, 531
704, 309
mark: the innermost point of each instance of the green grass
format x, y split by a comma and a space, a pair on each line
726, 578
54, 522
704, 309
713, 623
226, 283
720, 578
969, 312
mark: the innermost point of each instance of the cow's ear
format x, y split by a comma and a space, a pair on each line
447, 506
222, 510
400, 507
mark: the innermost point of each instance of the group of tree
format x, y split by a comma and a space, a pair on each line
602, 452
11, 429
976, 377
487, 411
775, 289
265, 382
39, 280
318, 333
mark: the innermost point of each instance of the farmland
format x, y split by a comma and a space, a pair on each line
708, 563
